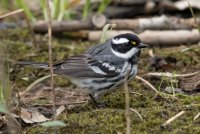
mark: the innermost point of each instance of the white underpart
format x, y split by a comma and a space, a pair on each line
97, 70
120, 41
126, 55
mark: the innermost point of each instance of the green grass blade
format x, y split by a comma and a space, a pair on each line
195, 19
103, 5
86, 9
56, 9
63, 5
28, 13
43, 5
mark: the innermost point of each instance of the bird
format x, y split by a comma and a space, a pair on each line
101, 68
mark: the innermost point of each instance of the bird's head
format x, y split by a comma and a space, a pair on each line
126, 45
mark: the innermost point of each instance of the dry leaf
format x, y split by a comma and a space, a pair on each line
32, 116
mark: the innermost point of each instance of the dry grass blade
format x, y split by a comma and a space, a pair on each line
197, 116
138, 114
173, 118
50, 54
34, 84
147, 83
38, 81
12, 13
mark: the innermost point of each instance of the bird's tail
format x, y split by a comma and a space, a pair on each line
34, 64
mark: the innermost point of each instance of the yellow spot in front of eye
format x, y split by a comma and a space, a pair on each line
133, 42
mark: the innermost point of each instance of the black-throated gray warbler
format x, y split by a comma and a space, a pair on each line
103, 67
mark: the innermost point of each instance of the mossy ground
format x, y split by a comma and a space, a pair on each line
86, 118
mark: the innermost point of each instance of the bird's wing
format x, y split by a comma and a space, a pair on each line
84, 66
95, 50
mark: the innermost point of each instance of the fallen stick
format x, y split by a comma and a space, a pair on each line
170, 38
98, 21
155, 23
156, 37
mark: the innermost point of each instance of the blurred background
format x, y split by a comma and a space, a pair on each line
171, 65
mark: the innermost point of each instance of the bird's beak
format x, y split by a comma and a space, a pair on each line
142, 45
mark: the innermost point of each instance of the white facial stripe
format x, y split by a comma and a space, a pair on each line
97, 70
120, 41
126, 55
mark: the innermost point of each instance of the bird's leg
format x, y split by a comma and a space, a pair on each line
96, 103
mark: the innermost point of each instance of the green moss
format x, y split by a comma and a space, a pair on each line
155, 112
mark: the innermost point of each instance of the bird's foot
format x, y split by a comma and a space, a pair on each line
96, 103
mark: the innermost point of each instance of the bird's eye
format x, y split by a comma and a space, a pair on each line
134, 43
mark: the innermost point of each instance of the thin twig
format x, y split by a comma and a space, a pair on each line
50, 55
170, 75
12, 13
127, 101
173, 118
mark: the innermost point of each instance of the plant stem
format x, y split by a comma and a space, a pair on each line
127, 101
50, 56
